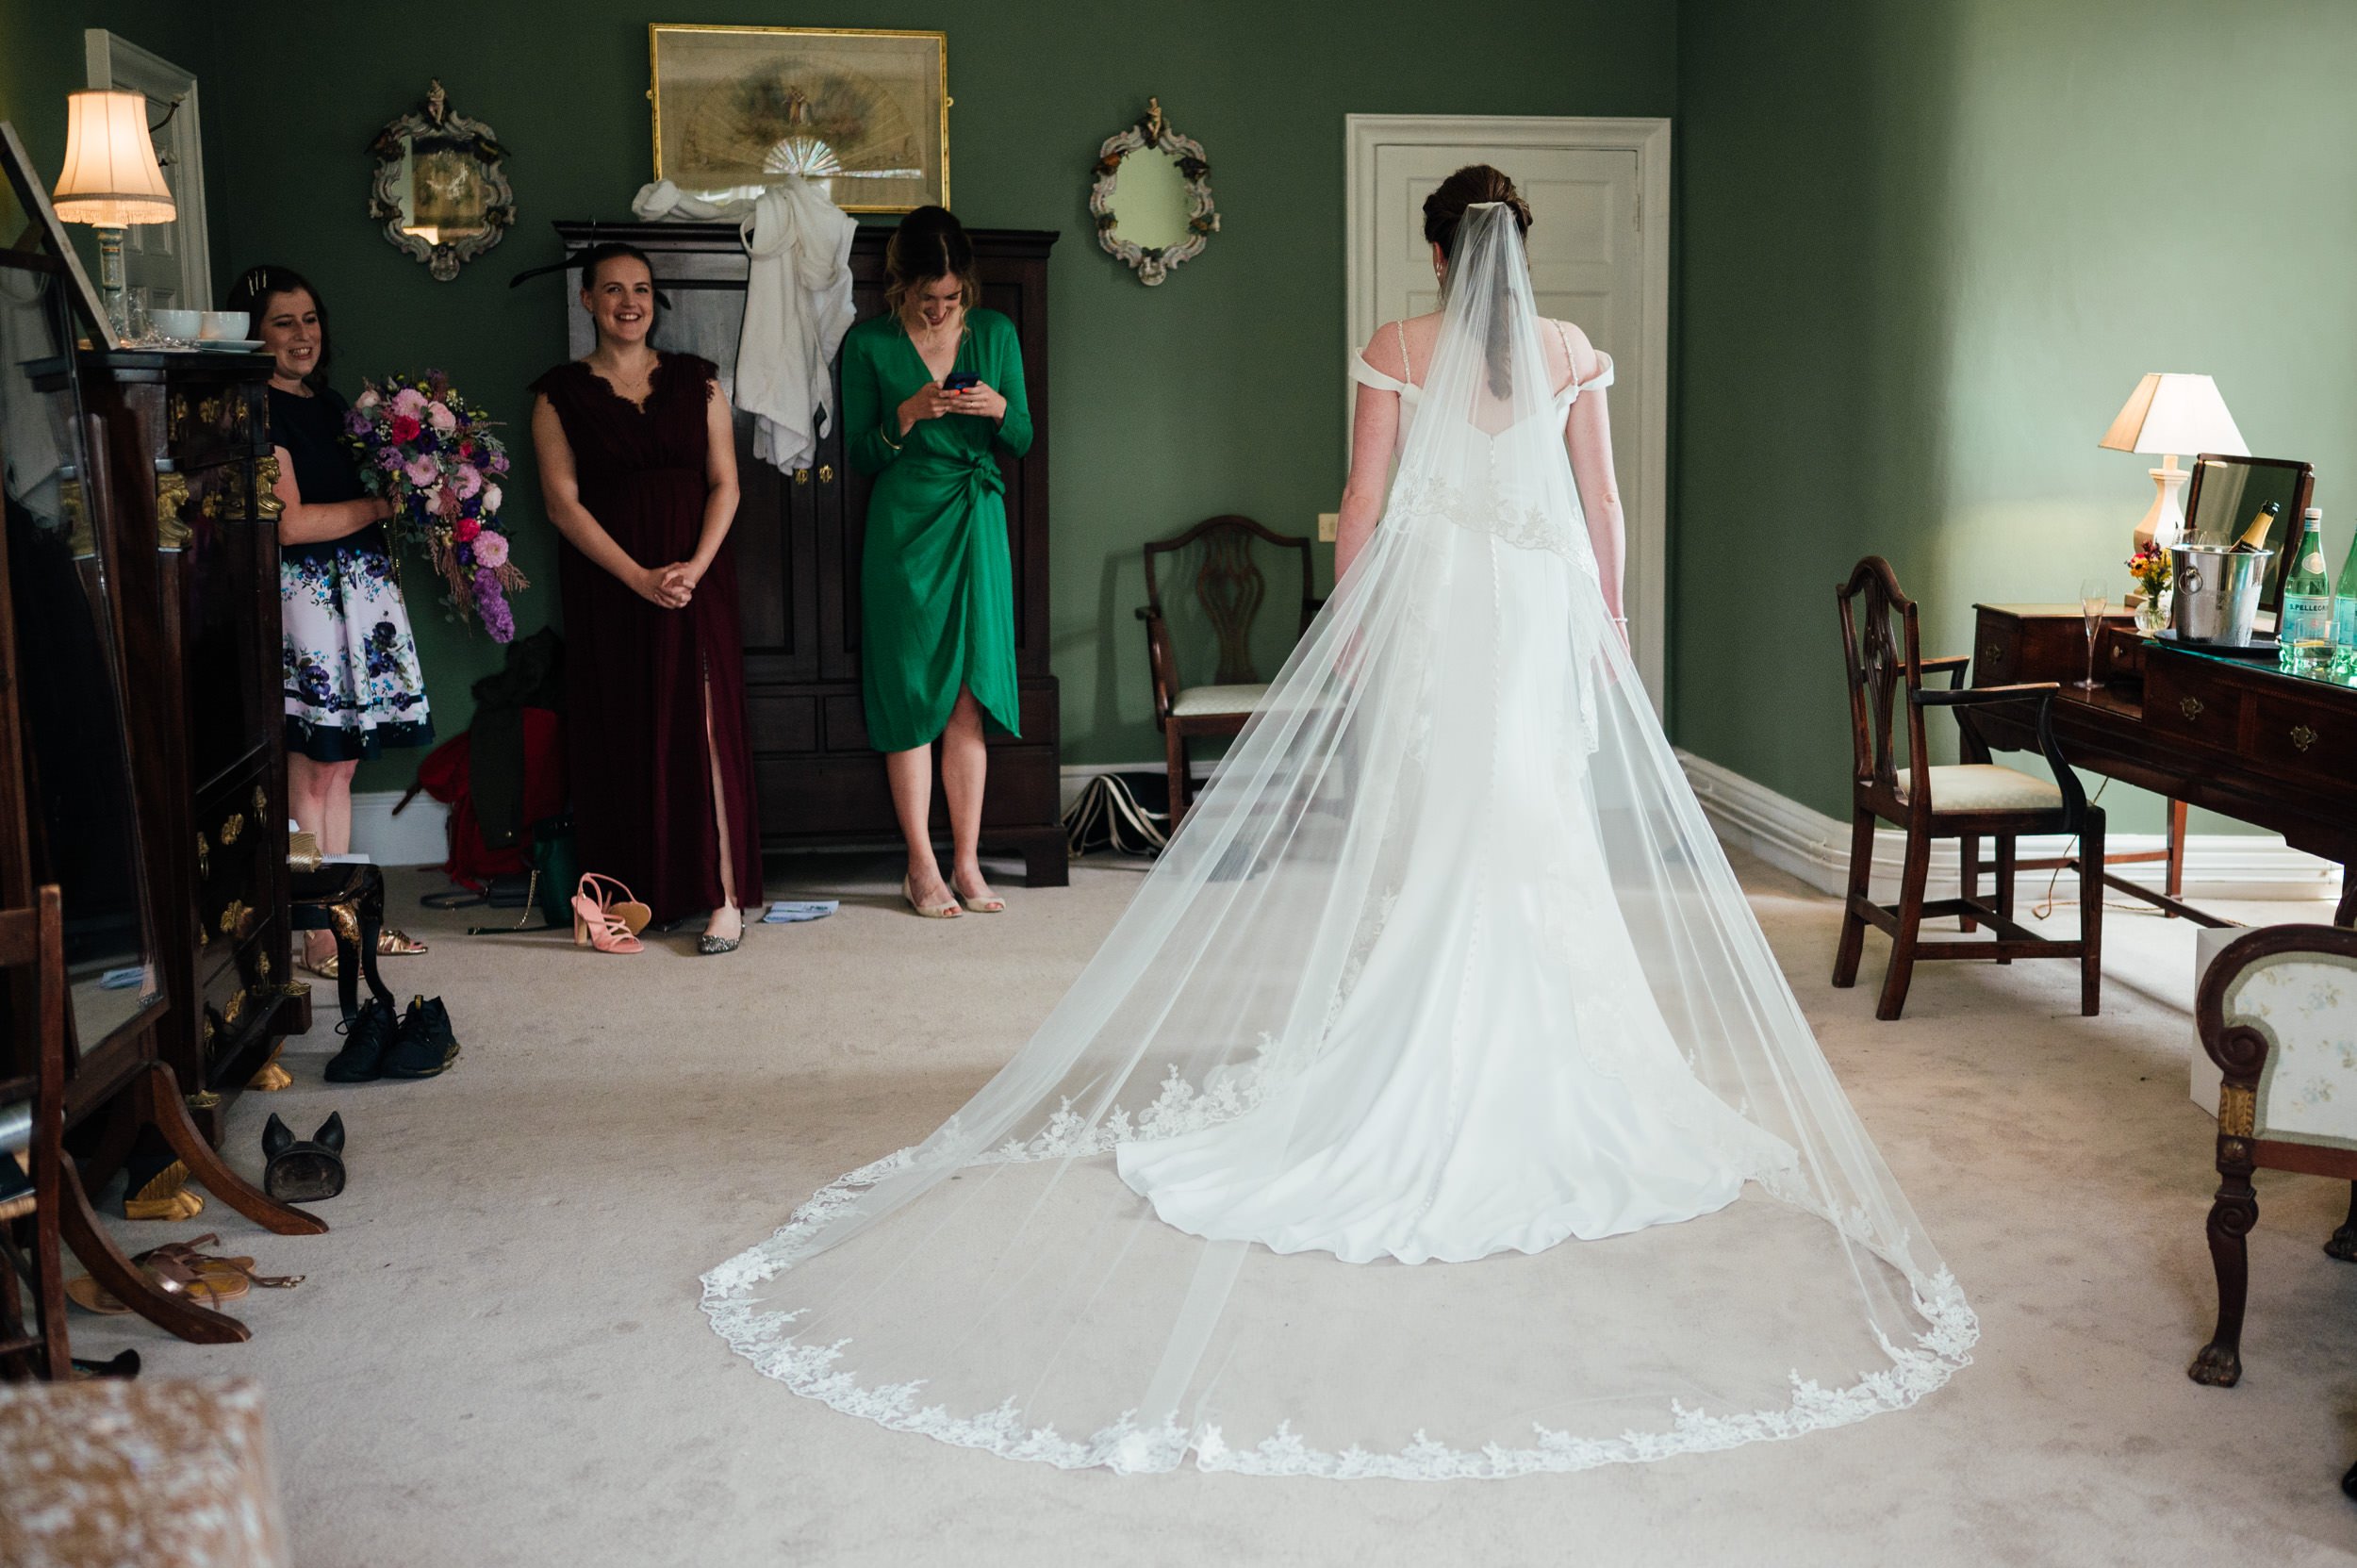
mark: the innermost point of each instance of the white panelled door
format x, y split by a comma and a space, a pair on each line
171, 261
1598, 191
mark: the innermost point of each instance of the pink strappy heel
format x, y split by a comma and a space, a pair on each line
603, 922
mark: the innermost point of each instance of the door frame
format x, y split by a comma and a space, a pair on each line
1649, 138
108, 59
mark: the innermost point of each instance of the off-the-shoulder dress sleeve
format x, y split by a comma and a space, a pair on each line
1367, 375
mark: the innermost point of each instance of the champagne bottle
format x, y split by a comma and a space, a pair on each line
2303, 626
2257, 535
2344, 618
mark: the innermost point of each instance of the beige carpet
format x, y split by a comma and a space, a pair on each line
498, 1359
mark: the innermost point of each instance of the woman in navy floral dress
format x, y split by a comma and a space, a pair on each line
352, 683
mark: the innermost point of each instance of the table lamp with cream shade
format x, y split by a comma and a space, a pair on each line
2170, 413
111, 180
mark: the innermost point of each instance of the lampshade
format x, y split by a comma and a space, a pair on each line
111, 178
2171, 413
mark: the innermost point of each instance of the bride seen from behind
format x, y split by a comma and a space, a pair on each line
1436, 1108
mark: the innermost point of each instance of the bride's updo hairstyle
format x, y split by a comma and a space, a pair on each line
1475, 183
930, 244
1444, 209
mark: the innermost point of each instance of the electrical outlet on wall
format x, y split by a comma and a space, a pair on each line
1329, 526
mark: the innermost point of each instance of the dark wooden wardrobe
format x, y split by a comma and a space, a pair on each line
798, 539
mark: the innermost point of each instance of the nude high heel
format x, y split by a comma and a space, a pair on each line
948, 911
599, 924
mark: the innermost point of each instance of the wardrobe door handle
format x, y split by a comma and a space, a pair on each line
2190, 707
2303, 737
825, 473
801, 476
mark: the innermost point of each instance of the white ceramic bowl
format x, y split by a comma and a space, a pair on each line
225, 324
183, 324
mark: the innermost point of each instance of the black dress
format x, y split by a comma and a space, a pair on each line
352, 683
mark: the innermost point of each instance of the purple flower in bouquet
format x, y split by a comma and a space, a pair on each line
491, 602
388, 460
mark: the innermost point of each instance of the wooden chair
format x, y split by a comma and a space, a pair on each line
1230, 590
1968, 801
32, 940
2278, 1014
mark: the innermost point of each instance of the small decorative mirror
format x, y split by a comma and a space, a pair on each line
440, 190
1152, 197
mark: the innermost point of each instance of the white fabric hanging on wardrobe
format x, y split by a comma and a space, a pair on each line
798, 302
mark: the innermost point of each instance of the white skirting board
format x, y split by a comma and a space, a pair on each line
419, 836
1816, 849
1780, 831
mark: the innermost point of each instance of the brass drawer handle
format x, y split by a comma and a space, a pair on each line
262, 965
234, 917
232, 828
2303, 737
172, 493
2189, 707
267, 505
801, 476
208, 412
825, 473
1992, 651
261, 801
203, 858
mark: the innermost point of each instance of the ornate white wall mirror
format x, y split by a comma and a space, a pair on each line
1152, 196
440, 189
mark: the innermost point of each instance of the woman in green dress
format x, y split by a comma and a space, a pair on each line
932, 391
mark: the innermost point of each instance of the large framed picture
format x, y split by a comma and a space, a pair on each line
862, 114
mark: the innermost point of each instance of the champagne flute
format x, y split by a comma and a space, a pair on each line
2094, 598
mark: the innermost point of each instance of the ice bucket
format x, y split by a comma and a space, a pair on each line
2218, 592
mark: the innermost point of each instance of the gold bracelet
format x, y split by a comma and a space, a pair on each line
886, 439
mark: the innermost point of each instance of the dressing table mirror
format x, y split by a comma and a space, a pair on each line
2225, 499
1152, 197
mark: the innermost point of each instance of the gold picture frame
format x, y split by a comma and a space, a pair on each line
862, 112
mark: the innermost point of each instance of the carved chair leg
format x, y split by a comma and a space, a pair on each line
2005, 855
87, 1239
1968, 876
2091, 915
1853, 923
2176, 883
161, 1102
1175, 758
2343, 1243
1901, 971
2219, 1364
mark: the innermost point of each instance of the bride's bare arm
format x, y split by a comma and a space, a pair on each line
1374, 429
1589, 436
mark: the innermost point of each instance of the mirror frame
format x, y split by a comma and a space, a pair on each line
2287, 536
1153, 263
443, 257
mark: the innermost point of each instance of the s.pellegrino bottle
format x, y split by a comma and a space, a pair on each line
2303, 627
2344, 618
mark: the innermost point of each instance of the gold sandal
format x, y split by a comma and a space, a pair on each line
397, 944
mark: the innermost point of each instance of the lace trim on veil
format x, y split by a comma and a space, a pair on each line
766, 1338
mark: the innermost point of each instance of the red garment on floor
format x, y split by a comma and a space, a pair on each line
446, 774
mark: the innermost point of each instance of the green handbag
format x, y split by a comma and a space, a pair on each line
555, 869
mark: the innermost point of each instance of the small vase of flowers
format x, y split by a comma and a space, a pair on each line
430, 453
2150, 567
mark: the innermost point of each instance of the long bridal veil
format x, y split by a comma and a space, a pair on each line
1435, 1110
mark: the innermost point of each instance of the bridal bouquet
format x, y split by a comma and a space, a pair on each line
426, 450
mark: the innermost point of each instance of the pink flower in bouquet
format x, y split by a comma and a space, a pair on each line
491, 498
409, 401
465, 531
422, 471
469, 481
368, 399
439, 416
406, 429
490, 550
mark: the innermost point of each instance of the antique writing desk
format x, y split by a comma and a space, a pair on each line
2232, 736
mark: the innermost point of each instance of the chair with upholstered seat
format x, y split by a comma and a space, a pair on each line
1968, 801
1217, 559
2277, 1013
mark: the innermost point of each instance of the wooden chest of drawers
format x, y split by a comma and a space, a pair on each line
2037, 642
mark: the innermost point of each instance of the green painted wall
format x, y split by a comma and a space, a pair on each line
1928, 247
1218, 391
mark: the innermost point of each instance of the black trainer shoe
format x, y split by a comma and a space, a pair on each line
368, 1035
424, 1044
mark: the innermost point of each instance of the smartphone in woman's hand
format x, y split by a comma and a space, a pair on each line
958, 381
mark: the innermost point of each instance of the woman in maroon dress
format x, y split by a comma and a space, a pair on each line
638, 469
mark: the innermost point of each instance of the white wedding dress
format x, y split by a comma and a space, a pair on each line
1445, 966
